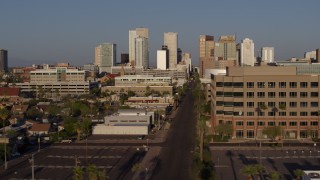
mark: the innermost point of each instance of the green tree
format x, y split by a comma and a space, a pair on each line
131, 93
69, 126
224, 129
273, 176
258, 170
4, 113
92, 172
298, 173
34, 113
261, 107
272, 132
249, 171
77, 173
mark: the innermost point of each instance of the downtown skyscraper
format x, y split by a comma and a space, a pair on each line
267, 54
105, 56
247, 52
171, 41
139, 47
3, 60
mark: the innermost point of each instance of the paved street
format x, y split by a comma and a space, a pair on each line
176, 155
228, 161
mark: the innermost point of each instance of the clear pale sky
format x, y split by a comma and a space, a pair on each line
38, 31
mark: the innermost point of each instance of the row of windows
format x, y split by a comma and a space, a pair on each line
281, 123
267, 94
272, 113
268, 84
303, 133
291, 104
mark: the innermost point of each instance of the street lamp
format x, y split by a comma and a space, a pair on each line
32, 165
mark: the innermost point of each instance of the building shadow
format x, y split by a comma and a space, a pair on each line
230, 155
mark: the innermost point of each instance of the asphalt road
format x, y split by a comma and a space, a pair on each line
176, 155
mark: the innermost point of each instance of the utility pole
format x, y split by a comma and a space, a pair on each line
32, 165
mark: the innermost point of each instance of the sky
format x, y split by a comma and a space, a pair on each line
38, 31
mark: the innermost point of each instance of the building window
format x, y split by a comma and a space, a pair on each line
239, 133
239, 123
250, 134
271, 84
271, 94
219, 103
250, 84
292, 123
271, 113
293, 84
250, 104
282, 94
250, 113
228, 113
303, 113
293, 104
238, 104
303, 123
219, 94
219, 84
219, 112
314, 123
261, 84
281, 113
282, 84
303, 94
271, 104
303, 134
261, 94
282, 123
250, 123
303, 84
314, 84
250, 94
228, 104
293, 94
314, 94
314, 104
293, 113
304, 104
314, 113
238, 94
238, 84
227, 84
271, 123
261, 123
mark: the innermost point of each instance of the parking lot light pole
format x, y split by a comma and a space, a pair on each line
32, 165
260, 153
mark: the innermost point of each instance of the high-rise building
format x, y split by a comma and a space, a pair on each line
141, 53
124, 58
267, 54
133, 35
318, 55
171, 41
179, 55
3, 60
163, 58
312, 55
206, 52
206, 44
225, 48
247, 52
105, 56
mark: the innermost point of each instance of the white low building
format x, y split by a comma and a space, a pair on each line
126, 122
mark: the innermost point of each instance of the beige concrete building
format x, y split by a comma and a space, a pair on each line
206, 52
237, 95
142, 80
139, 90
171, 41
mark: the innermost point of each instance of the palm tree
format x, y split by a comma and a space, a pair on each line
282, 107
92, 172
273, 176
249, 171
298, 173
258, 170
259, 110
79, 129
274, 110
77, 173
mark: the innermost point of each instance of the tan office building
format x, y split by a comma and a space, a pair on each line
206, 52
237, 95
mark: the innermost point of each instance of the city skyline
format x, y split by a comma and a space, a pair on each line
36, 32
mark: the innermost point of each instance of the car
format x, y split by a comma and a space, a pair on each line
140, 137
15, 154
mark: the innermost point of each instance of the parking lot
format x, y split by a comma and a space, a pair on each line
57, 162
229, 161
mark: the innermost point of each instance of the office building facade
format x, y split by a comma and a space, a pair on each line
3, 60
267, 54
291, 101
105, 56
171, 41
247, 52
140, 37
